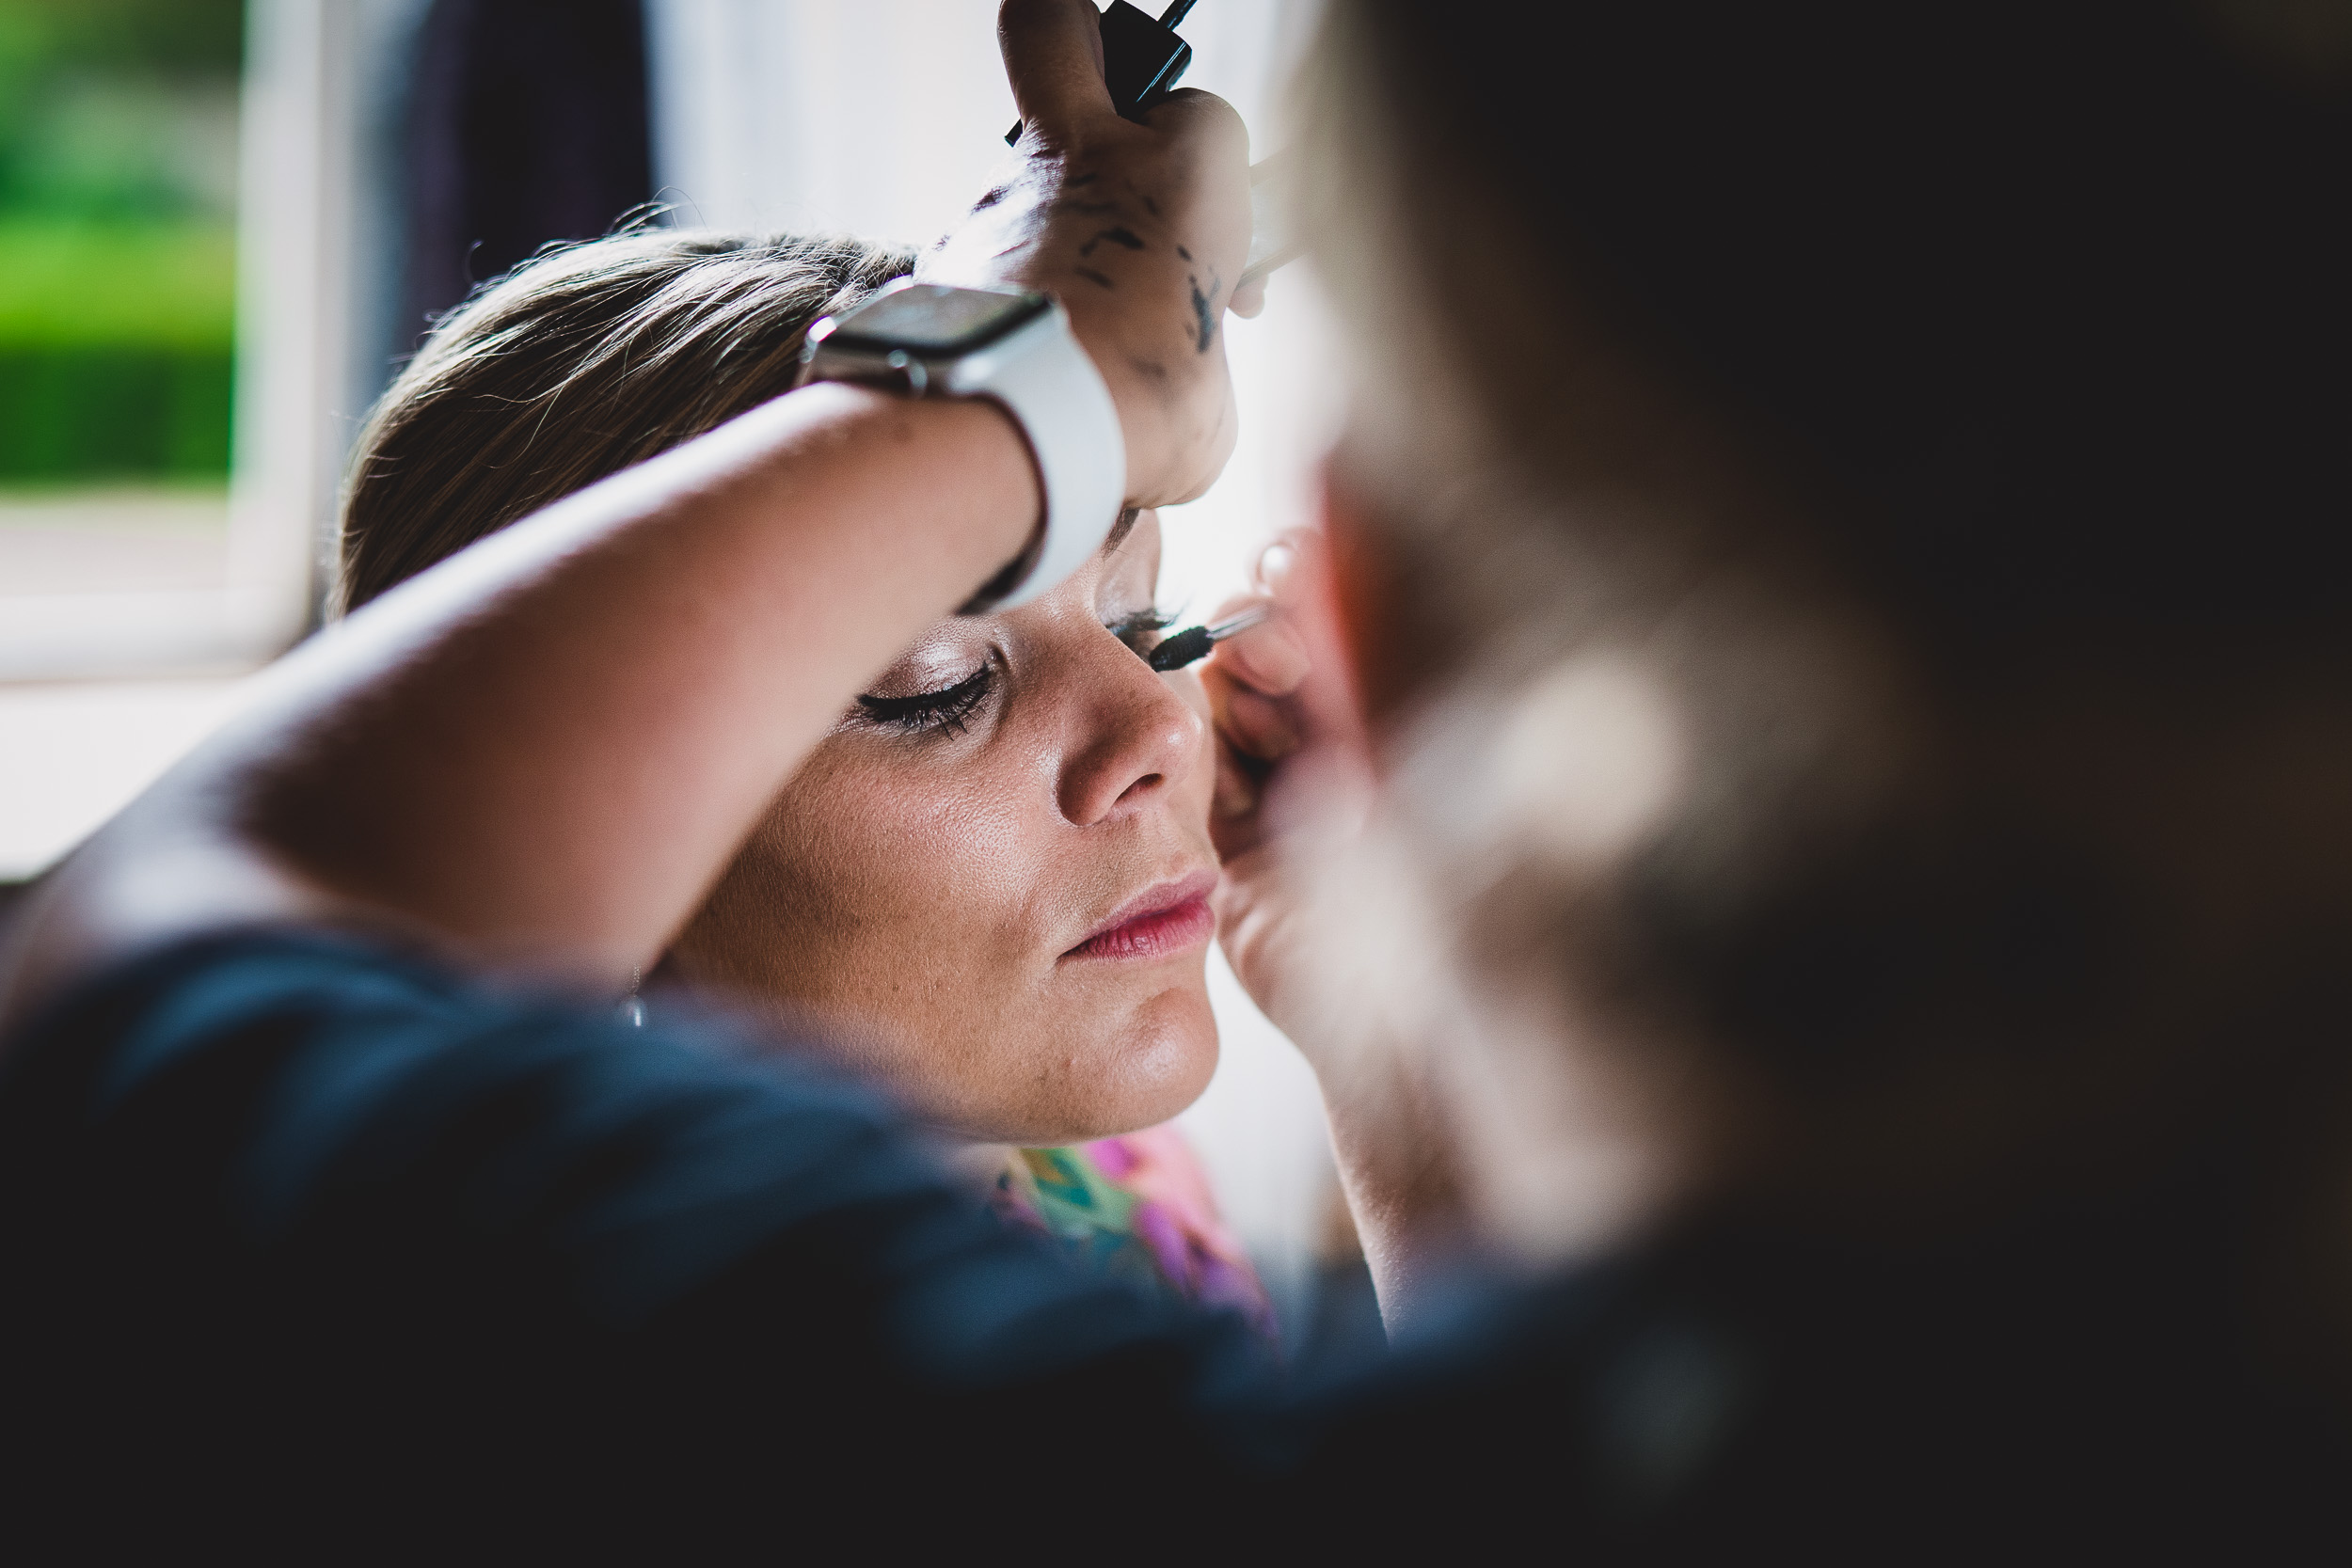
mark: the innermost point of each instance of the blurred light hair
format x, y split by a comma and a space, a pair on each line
1931, 419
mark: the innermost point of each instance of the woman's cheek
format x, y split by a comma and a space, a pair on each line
941, 842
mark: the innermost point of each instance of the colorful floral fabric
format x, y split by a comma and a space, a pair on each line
1137, 1206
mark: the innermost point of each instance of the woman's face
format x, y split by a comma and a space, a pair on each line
996, 871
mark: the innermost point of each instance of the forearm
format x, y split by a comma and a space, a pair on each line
541, 751
1392, 1137
1401, 1173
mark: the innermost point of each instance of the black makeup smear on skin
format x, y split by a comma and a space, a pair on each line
1204, 311
1117, 236
1186, 254
1093, 276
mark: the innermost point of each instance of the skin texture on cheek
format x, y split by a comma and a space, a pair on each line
923, 890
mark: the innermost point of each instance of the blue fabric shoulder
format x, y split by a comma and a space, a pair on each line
415, 1231
289, 1091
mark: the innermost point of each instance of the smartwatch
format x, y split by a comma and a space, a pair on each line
1016, 349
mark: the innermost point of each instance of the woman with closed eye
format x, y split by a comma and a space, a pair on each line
993, 877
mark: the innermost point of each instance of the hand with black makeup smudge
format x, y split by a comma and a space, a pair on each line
1139, 230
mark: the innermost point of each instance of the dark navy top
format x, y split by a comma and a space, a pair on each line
288, 1219
315, 1246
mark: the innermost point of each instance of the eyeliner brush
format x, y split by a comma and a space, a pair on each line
1192, 644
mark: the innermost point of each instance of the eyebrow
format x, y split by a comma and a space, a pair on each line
1120, 529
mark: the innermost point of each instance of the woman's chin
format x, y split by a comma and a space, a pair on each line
1158, 1061
1171, 1055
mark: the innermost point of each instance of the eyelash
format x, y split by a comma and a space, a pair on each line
949, 709
1131, 629
945, 710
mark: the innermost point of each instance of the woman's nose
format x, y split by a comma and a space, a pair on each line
1134, 738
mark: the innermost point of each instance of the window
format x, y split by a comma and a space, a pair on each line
184, 204
117, 292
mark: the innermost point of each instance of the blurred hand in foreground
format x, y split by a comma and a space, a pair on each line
1294, 786
1288, 751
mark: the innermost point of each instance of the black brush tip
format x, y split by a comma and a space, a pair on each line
1186, 647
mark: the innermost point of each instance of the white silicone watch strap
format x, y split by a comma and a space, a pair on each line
1048, 383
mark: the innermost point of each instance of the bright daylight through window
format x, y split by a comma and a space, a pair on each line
117, 288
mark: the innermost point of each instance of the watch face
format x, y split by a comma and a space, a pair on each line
931, 320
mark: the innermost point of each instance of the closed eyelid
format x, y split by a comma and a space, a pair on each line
901, 685
947, 655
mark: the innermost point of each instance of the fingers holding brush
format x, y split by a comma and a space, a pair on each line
1254, 681
1053, 59
1290, 761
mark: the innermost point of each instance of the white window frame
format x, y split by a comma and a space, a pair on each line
303, 282
100, 692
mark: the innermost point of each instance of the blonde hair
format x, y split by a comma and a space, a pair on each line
580, 362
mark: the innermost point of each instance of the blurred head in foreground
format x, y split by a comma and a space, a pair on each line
992, 878
1843, 540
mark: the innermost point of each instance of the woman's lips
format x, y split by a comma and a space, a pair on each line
1166, 918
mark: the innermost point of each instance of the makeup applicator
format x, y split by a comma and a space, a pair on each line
1192, 644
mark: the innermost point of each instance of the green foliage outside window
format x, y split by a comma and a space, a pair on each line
117, 280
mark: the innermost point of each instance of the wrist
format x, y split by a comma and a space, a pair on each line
1164, 367
1014, 349
1171, 389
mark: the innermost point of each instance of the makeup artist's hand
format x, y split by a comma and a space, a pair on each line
1289, 768
1293, 786
1139, 230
